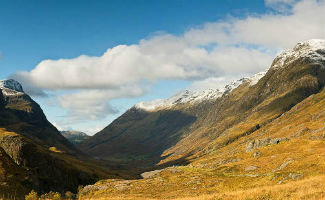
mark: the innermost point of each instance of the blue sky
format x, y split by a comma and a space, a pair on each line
34, 31
31, 31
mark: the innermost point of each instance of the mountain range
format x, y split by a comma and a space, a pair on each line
165, 130
233, 138
260, 137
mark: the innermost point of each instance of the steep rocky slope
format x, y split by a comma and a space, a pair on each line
169, 131
268, 135
34, 155
25, 116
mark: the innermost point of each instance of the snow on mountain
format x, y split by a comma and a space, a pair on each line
188, 96
11, 87
256, 77
313, 49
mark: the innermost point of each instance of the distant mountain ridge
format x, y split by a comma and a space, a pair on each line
75, 137
189, 96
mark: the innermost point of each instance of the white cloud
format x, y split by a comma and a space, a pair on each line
224, 48
58, 126
93, 104
94, 130
213, 83
305, 21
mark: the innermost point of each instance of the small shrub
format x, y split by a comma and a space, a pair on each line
57, 196
31, 196
69, 195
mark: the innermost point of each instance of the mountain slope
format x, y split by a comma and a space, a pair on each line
26, 117
169, 131
289, 169
34, 155
259, 141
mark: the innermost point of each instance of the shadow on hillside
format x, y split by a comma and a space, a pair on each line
141, 144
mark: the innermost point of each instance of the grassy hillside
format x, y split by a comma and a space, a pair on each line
290, 169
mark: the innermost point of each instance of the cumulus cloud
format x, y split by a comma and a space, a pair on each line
224, 48
162, 57
305, 21
93, 104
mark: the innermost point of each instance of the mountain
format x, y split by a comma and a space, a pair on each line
34, 155
75, 137
148, 128
182, 125
264, 131
25, 113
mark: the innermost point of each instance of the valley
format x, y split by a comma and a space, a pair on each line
261, 137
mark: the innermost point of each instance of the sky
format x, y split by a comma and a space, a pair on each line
87, 62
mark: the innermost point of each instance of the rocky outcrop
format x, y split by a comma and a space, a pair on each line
151, 173
254, 144
284, 165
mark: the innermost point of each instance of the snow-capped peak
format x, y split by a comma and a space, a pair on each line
256, 77
188, 96
314, 49
11, 87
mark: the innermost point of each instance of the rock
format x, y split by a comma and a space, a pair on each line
284, 165
89, 188
250, 168
231, 160
278, 140
121, 186
257, 154
257, 143
172, 170
254, 144
294, 176
151, 174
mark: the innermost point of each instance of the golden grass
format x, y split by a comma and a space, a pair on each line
312, 189
54, 149
4, 132
220, 174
